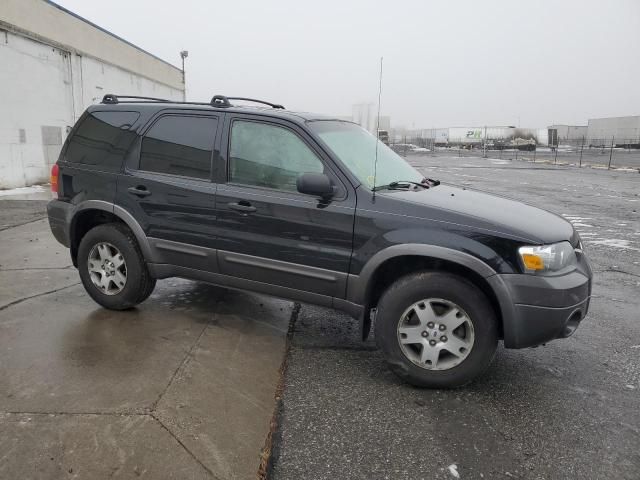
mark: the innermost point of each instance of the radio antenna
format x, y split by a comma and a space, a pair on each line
375, 163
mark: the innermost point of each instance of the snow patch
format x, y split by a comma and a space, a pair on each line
615, 243
575, 217
453, 470
584, 225
22, 190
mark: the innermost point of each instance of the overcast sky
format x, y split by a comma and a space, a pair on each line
446, 63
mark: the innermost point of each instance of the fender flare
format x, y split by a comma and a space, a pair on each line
119, 212
358, 285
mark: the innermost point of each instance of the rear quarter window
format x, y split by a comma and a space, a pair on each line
102, 139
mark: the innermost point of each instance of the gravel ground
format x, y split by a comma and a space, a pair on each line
570, 409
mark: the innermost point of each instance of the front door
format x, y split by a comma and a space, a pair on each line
267, 231
168, 189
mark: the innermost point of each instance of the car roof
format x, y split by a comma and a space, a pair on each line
152, 107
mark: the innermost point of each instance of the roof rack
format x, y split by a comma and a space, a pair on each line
222, 101
219, 101
112, 99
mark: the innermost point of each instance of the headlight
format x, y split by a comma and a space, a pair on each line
547, 258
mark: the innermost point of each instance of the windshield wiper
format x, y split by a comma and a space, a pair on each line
400, 184
431, 182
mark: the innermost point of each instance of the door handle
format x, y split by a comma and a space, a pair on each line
242, 206
140, 191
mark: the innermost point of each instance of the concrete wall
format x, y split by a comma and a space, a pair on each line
36, 99
54, 24
45, 87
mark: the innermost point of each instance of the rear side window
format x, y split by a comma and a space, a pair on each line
102, 139
179, 145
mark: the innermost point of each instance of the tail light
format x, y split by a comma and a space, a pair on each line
55, 170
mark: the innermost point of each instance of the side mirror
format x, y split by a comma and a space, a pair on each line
317, 184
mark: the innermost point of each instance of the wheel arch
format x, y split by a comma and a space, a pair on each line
394, 262
92, 213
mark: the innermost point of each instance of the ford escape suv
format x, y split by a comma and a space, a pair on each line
313, 209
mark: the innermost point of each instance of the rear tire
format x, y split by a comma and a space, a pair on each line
436, 330
112, 267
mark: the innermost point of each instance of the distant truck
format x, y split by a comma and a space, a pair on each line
383, 135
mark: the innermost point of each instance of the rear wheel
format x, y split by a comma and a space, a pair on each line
436, 329
112, 268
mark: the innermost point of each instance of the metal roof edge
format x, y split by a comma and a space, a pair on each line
73, 14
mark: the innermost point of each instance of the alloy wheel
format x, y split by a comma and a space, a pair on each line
107, 268
435, 334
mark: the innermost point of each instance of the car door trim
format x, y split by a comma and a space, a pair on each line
280, 266
182, 254
178, 247
278, 272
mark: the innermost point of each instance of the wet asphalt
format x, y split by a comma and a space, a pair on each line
570, 409
181, 386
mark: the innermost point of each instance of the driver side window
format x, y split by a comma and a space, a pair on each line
269, 156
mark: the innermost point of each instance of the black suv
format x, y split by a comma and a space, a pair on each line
314, 209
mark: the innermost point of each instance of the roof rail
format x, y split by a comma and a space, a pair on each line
222, 101
219, 101
112, 99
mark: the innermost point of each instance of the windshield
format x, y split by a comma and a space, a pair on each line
356, 148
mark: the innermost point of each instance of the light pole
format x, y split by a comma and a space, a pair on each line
184, 54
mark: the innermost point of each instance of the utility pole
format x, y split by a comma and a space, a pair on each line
484, 144
581, 149
610, 153
184, 54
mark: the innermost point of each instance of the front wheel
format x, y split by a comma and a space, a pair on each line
436, 329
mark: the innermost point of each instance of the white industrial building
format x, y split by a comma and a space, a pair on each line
366, 115
619, 130
570, 133
53, 65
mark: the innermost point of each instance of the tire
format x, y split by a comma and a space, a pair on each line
451, 299
119, 243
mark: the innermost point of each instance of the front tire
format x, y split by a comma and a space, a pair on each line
436, 330
112, 268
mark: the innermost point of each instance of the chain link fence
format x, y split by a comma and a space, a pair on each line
602, 152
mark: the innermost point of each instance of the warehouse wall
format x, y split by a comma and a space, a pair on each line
55, 24
570, 132
623, 129
36, 99
43, 91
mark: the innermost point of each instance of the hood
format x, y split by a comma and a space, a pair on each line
485, 211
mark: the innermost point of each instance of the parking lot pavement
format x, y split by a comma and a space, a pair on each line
570, 409
181, 387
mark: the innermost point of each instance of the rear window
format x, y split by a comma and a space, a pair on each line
102, 139
179, 145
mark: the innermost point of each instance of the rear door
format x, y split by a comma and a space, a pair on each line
267, 231
167, 186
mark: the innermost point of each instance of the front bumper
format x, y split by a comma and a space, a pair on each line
537, 309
